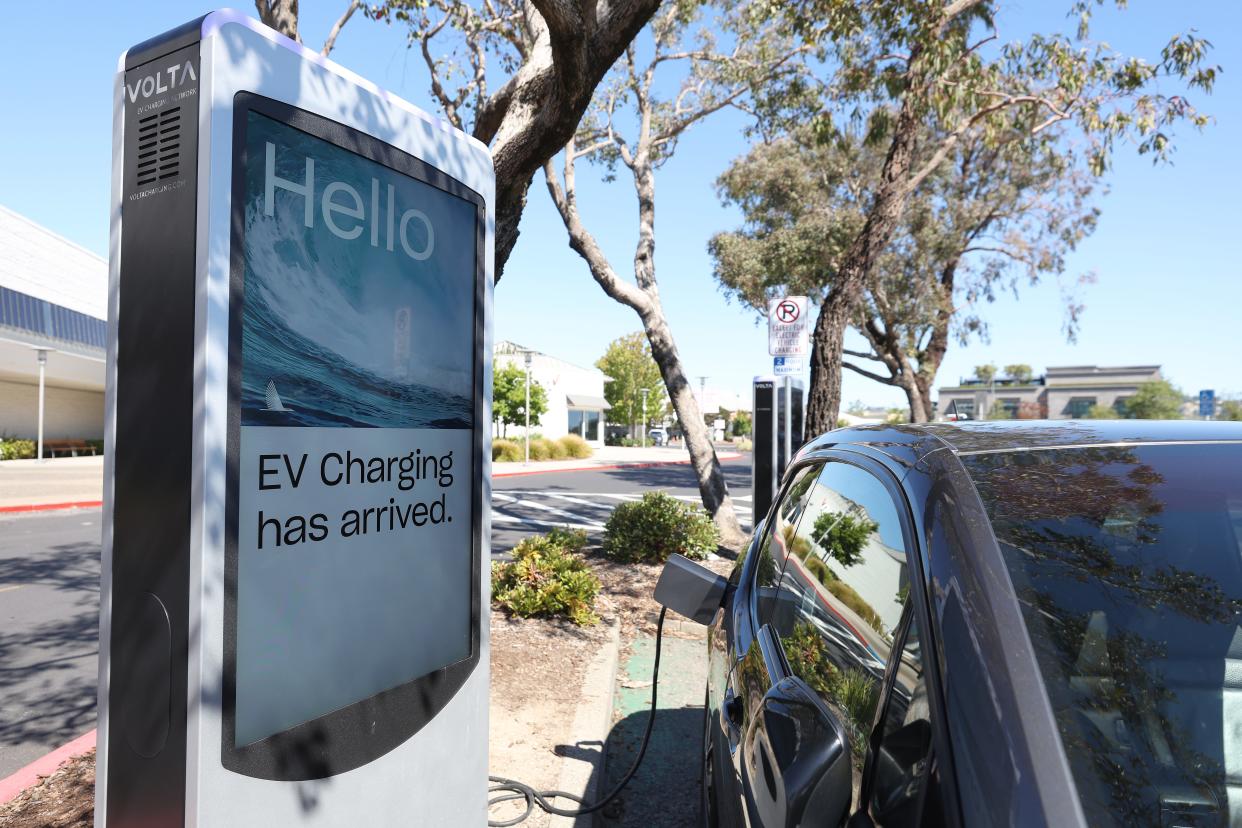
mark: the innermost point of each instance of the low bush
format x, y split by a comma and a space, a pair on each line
540, 449
17, 449
651, 529
575, 446
547, 577
743, 444
506, 451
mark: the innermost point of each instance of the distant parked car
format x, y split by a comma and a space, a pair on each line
658, 436
987, 623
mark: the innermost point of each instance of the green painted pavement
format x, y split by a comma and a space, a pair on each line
665, 791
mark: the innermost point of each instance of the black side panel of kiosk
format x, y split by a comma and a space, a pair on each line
763, 454
152, 457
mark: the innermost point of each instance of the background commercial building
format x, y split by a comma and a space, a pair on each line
576, 403
1062, 393
54, 301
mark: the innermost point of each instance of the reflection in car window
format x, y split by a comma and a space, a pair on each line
844, 583
772, 550
1127, 562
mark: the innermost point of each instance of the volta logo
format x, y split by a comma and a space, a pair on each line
168, 78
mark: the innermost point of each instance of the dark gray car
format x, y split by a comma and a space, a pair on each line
991, 623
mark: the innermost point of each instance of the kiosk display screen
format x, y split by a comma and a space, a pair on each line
354, 414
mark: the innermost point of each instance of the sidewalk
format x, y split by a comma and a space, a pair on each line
30, 484
608, 457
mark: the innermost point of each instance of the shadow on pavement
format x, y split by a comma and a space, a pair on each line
665, 791
47, 696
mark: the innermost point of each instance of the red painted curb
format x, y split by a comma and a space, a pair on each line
601, 468
13, 785
48, 507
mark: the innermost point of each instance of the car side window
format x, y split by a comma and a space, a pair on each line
776, 537
846, 582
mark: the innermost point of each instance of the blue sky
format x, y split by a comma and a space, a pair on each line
1167, 253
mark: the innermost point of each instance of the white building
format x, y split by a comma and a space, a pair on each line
576, 403
53, 301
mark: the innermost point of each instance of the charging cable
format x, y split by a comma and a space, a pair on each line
507, 790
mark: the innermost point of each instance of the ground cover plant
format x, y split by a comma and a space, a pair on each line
651, 529
548, 577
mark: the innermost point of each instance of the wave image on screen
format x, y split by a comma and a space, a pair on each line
339, 331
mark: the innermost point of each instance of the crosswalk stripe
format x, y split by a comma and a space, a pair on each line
577, 500
551, 524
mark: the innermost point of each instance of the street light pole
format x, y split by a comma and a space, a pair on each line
645, 392
42, 356
526, 462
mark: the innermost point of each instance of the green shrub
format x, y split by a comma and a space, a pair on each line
743, 445
655, 527
506, 451
548, 578
575, 446
12, 449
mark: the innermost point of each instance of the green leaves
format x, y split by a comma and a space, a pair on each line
509, 395
631, 370
547, 577
655, 527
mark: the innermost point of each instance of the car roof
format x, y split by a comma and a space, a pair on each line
908, 443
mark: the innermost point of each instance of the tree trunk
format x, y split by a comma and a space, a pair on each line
919, 400
712, 488
824, 403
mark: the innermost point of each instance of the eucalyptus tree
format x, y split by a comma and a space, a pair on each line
635, 127
926, 77
991, 218
548, 56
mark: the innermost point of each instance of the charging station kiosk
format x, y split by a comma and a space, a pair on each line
778, 418
294, 603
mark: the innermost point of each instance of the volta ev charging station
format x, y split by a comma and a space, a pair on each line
293, 615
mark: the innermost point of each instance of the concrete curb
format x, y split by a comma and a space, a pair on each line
592, 721
46, 765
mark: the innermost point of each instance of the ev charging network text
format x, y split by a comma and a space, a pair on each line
409, 471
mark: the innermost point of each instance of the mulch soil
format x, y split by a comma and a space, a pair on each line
66, 799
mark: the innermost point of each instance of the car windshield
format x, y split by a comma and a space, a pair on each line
1127, 563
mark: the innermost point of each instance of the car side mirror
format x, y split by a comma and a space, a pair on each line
690, 589
803, 771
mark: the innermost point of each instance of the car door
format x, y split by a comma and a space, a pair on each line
757, 599
817, 670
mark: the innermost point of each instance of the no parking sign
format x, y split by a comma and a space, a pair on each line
788, 331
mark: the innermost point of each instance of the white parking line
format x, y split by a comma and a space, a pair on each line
531, 499
500, 517
577, 500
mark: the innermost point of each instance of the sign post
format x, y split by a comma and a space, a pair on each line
293, 626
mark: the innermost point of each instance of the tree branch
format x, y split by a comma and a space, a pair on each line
870, 375
338, 25
583, 243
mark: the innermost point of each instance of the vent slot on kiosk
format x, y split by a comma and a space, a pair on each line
159, 146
